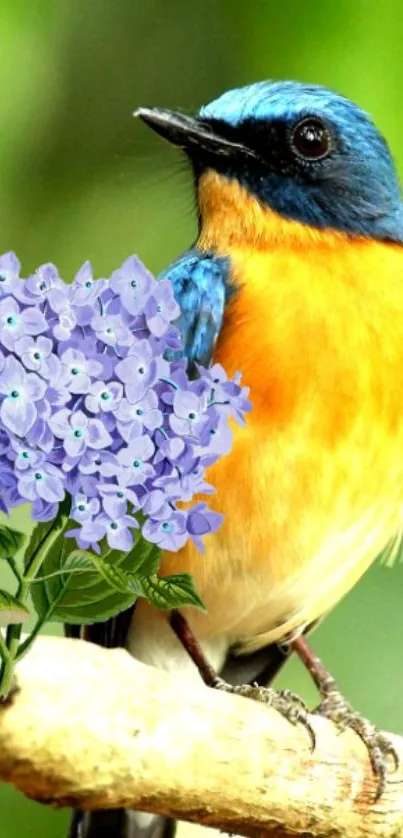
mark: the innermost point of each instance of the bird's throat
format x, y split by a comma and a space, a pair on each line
231, 216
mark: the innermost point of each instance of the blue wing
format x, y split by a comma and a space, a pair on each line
201, 286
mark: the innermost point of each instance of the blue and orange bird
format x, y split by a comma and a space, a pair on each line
296, 278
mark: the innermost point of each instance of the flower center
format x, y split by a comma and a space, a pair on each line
113, 525
38, 475
160, 309
137, 463
42, 286
105, 396
81, 507
109, 331
134, 283
192, 415
141, 370
2, 278
14, 394
120, 494
24, 455
78, 433
75, 371
166, 526
37, 356
11, 321
139, 411
88, 284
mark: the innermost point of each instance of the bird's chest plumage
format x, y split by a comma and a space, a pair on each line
313, 489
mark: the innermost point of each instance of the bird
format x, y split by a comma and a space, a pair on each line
296, 279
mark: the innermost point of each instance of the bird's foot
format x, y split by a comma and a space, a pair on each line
335, 708
380, 749
287, 703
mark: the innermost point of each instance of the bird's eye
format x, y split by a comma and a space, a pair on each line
310, 139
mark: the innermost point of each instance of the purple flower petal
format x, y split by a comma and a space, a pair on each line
34, 321
51, 489
98, 436
59, 423
80, 421
13, 375
17, 415
35, 387
42, 511
74, 445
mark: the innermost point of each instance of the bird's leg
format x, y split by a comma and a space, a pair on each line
338, 710
291, 706
184, 633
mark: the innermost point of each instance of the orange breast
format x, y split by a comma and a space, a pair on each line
313, 488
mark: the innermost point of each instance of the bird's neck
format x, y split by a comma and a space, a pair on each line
231, 217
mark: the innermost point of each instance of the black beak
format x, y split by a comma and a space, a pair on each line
190, 132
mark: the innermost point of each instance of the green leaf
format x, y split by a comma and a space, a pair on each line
150, 564
11, 609
78, 560
10, 542
146, 560
88, 597
117, 579
42, 530
171, 591
37, 537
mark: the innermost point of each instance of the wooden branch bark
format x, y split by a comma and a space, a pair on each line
93, 728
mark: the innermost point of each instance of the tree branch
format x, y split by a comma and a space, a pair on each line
93, 728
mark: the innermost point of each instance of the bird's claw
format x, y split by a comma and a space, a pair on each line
380, 749
287, 703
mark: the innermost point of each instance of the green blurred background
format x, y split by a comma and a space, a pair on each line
80, 179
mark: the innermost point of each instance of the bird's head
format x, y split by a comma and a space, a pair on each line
300, 151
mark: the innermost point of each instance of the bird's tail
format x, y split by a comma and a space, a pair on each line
109, 822
113, 823
120, 823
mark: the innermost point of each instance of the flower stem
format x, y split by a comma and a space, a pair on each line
3, 648
6, 681
25, 645
44, 618
14, 631
14, 567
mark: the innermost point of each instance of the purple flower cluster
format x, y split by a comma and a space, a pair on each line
91, 408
